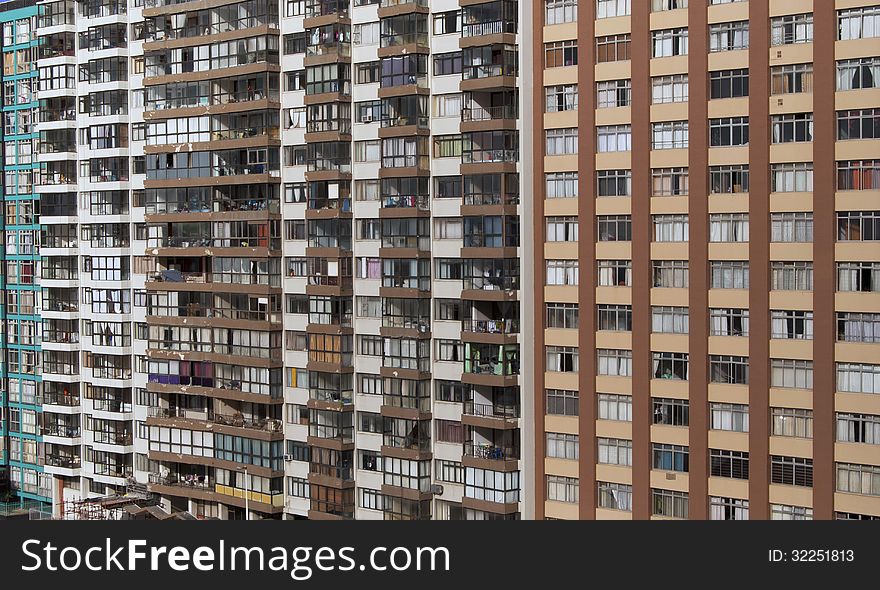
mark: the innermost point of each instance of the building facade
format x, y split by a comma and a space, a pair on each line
21, 438
708, 189
321, 258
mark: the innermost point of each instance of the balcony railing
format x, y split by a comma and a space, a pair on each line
344, 473
64, 461
420, 202
491, 199
478, 113
62, 430
490, 451
58, 399
494, 410
182, 481
509, 326
237, 420
112, 438
488, 28
489, 156
422, 404
332, 396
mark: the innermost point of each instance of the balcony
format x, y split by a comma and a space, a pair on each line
235, 420
499, 326
318, 8
63, 461
490, 452
419, 202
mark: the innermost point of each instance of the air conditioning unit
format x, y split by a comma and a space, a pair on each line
670, 476
436, 489
288, 458
367, 118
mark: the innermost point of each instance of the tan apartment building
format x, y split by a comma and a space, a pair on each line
706, 206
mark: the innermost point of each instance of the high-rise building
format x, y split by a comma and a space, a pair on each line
21, 438
707, 198
91, 138
322, 258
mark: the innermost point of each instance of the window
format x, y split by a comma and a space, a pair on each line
615, 496
669, 320
670, 365
858, 327
792, 177
613, 138
858, 378
614, 362
561, 229
446, 23
665, 89
785, 512
669, 504
617, 318
669, 182
561, 402
562, 446
858, 479
662, 5
792, 28
557, 12
732, 464
670, 228
669, 42
790, 79
728, 84
728, 508
728, 131
858, 226
853, 74
615, 228
671, 412
792, 422
796, 127
729, 274
729, 36
614, 183
791, 325
863, 277
612, 48
562, 272
615, 451
561, 185
612, 8
791, 227
562, 489
670, 274
732, 179
791, 276
562, 359
448, 64
858, 124
669, 135
614, 273
448, 471
729, 369
560, 53
729, 417
858, 428
562, 141
615, 407
858, 23
561, 98
791, 373
729, 227
791, 471
613, 93
562, 315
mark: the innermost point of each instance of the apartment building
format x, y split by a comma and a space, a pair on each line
21, 439
91, 171
707, 186
402, 252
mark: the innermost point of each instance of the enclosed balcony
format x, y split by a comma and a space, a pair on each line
406, 394
330, 311
493, 448
61, 394
489, 18
406, 273
57, 45
405, 112
329, 157
407, 353
491, 231
221, 91
489, 110
490, 147
56, 173
109, 36
407, 233
329, 40
331, 425
489, 66
406, 314
401, 195
403, 72
219, 234
256, 383
329, 233
331, 388
335, 273
326, 502
332, 464
212, 21
62, 456
62, 425
318, 8
406, 434
57, 109
488, 275
406, 31
60, 331
330, 196
200, 304
500, 360
326, 118
217, 199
